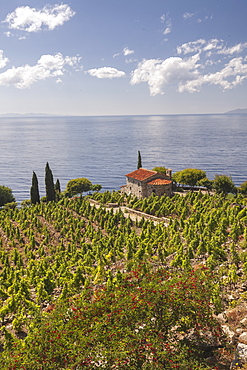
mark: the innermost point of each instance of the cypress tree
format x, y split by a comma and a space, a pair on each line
34, 191
57, 186
57, 190
139, 164
49, 184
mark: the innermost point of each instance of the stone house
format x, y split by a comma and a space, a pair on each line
143, 183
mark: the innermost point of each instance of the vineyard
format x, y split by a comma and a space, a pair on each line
86, 286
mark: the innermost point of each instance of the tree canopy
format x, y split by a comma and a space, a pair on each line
96, 187
160, 169
189, 176
224, 184
6, 195
243, 188
78, 186
208, 184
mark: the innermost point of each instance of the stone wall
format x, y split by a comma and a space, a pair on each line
159, 190
132, 211
134, 187
147, 216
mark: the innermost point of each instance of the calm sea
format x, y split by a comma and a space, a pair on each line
104, 149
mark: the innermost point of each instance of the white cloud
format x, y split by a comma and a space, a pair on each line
168, 28
211, 47
192, 73
163, 18
158, 73
202, 45
231, 75
200, 20
127, 51
3, 59
168, 23
188, 15
47, 66
130, 60
234, 49
106, 72
164, 41
33, 20
191, 47
8, 34
210, 62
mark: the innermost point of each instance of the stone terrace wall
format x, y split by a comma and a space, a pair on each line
147, 216
132, 211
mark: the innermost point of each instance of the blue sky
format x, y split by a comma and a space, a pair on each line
117, 57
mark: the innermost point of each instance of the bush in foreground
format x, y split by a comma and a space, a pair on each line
136, 321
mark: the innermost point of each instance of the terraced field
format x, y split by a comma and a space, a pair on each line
51, 253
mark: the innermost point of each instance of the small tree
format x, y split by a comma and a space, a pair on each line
57, 186
189, 176
78, 186
160, 169
243, 188
224, 184
208, 184
139, 164
96, 187
34, 191
57, 190
11, 205
6, 195
49, 184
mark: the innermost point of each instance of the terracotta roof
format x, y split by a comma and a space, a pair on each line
141, 174
159, 182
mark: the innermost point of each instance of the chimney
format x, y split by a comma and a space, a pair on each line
169, 172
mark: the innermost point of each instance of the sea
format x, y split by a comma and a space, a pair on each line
105, 148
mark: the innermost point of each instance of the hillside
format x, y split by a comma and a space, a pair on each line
96, 277
237, 111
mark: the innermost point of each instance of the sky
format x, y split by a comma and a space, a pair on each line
123, 57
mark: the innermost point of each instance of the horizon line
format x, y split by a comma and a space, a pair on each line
19, 115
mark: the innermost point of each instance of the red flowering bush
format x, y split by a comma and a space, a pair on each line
144, 321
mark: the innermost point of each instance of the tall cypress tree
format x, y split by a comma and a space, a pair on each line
57, 186
34, 191
49, 184
139, 164
57, 189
